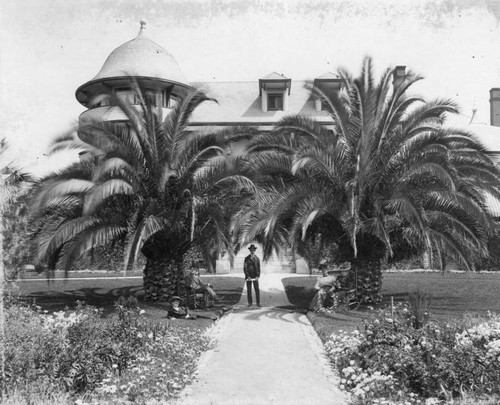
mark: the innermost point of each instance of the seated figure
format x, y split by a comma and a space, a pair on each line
177, 310
193, 281
326, 299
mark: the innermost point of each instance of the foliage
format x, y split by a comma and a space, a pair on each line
161, 371
83, 354
397, 357
108, 256
492, 262
318, 249
387, 169
17, 248
153, 185
14, 215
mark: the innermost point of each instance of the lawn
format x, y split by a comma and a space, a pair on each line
453, 295
102, 292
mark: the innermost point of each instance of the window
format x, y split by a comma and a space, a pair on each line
275, 102
150, 98
125, 95
168, 100
101, 101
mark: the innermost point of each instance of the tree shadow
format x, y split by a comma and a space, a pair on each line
300, 296
277, 313
105, 299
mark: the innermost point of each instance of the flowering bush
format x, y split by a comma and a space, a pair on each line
124, 357
161, 370
394, 358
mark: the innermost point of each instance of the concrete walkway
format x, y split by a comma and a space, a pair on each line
264, 356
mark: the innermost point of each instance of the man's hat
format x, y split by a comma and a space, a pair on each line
175, 298
252, 247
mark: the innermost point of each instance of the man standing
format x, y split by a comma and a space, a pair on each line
251, 268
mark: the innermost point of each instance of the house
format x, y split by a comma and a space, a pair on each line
260, 103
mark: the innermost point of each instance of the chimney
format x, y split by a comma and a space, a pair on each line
495, 107
398, 75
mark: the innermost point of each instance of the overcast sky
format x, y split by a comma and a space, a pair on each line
50, 47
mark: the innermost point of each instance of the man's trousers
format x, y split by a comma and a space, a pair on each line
249, 291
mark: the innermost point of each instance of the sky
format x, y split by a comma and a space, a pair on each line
50, 47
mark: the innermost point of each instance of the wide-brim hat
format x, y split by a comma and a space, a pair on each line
175, 298
252, 247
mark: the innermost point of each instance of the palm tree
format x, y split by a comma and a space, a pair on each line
143, 183
385, 170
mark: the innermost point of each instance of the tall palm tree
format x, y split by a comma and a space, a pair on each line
386, 169
144, 183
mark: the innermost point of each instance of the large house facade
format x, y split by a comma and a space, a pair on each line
260, 103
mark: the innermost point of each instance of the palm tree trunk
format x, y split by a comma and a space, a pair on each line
162, 279
369, 280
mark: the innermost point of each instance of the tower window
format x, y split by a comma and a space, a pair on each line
150, 98
275, 102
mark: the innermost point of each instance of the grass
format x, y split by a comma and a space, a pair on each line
57, 295
453, 295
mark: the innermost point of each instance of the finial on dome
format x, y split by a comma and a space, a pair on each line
143, 27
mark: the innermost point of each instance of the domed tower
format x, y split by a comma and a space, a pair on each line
154, 68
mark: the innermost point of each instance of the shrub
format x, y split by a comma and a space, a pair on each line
397, 355
162, 370
81, 353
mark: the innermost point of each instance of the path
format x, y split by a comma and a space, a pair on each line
265, 356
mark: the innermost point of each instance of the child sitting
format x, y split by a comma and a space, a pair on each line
177, 311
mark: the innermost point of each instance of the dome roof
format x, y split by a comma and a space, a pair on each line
141, 57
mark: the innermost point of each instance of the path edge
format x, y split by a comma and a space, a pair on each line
214, 334
318, 349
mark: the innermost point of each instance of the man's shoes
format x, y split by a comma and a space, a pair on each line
260, 306
249, 305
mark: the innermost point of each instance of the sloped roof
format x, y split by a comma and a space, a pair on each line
240, 103
488, 135
274, 76
141, 57
327, 76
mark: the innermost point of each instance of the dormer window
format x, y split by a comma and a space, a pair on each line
274, 90
275, 102
329, 84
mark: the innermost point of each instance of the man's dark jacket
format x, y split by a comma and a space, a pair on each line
251, 267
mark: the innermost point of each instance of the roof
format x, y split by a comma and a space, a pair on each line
239, 103
141, 57
488, 135
274, 76
327, 76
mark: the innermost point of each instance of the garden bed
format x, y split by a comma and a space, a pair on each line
451, 354
60, 351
